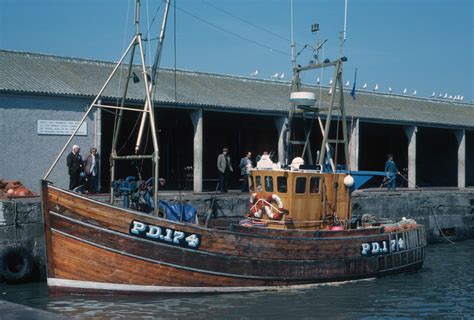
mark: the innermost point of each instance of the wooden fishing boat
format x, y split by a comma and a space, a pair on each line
298, 230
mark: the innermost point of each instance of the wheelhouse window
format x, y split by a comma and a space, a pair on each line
314, 185
300, 185
282, 184
269, 183
258, 183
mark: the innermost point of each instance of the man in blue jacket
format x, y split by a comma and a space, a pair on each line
391, 172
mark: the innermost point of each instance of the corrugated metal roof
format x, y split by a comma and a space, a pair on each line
37, 73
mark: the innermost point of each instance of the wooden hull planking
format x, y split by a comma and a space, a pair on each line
90, 243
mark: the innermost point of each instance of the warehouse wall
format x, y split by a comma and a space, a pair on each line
26, 155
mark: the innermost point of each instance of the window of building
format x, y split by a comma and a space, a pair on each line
281, 184
269, 184
314, 185
300, 185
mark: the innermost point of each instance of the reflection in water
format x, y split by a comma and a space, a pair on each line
443, 288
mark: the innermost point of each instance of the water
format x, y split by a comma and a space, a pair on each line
444, 288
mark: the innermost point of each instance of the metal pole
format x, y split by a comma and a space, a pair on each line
328, 118
152, 127
159, 48
119, 124
88, 111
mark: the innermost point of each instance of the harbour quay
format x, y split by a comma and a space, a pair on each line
447, 213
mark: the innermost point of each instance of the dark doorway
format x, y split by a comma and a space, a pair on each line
469, 158
376, 141
175, 140
240, 133
436, 157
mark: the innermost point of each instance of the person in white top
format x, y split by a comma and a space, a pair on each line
92, 170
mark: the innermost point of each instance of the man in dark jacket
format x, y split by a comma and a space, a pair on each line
391, 171
74, 164
224, 167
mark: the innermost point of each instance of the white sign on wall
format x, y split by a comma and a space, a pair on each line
61, 127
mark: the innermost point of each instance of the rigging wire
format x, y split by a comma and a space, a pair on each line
246, 21
230, 32
152, 21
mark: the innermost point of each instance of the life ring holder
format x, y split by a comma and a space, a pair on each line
16, 264
274, 213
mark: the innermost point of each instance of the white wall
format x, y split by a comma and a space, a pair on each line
24, 154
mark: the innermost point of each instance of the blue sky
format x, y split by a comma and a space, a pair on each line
422, 45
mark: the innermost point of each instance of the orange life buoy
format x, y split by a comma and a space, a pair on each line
274, 214
256, 204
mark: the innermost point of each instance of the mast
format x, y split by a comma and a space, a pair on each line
147, 111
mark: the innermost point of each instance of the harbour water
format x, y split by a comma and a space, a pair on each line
444, 288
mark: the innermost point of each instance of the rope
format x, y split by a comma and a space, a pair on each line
432, 213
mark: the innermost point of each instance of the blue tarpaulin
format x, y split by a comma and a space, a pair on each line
178, 212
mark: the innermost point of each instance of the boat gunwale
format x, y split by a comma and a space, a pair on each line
233, 232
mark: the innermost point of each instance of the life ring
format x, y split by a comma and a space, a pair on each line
255, 204
16, 264
272, 214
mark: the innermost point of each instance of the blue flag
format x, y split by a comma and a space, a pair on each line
353, 91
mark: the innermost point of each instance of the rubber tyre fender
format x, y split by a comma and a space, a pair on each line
16, 264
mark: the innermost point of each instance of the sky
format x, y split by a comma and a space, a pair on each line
422, 45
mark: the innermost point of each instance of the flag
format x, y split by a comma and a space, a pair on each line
353, 91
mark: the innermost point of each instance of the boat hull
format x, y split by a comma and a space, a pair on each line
93, 246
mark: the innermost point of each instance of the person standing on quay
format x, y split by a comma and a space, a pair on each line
224, 167
91, 169
74, 164
391, 172
245, 166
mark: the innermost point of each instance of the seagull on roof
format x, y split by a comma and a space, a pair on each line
274, 76
461, 98
440, 95
376, 87
445, 95
433, 94
390, 89
450, 97
364, 86
414, 93
405, 91
282, 76
254, 74
330, 81
348, 83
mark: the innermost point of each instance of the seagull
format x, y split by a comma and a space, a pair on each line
274, 76
405, 91
254, 74
440, 95
330, 91
433, 94
282, 76
445, 96
414, 93
390, 89
461, 98
348, 83
318, 81
364, 86
330, 81
376, 87
450, 97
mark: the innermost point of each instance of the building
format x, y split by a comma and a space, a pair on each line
42, 95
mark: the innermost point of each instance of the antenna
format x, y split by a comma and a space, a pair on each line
293, 45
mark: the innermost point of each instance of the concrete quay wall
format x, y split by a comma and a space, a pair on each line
449, 211
444, 212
